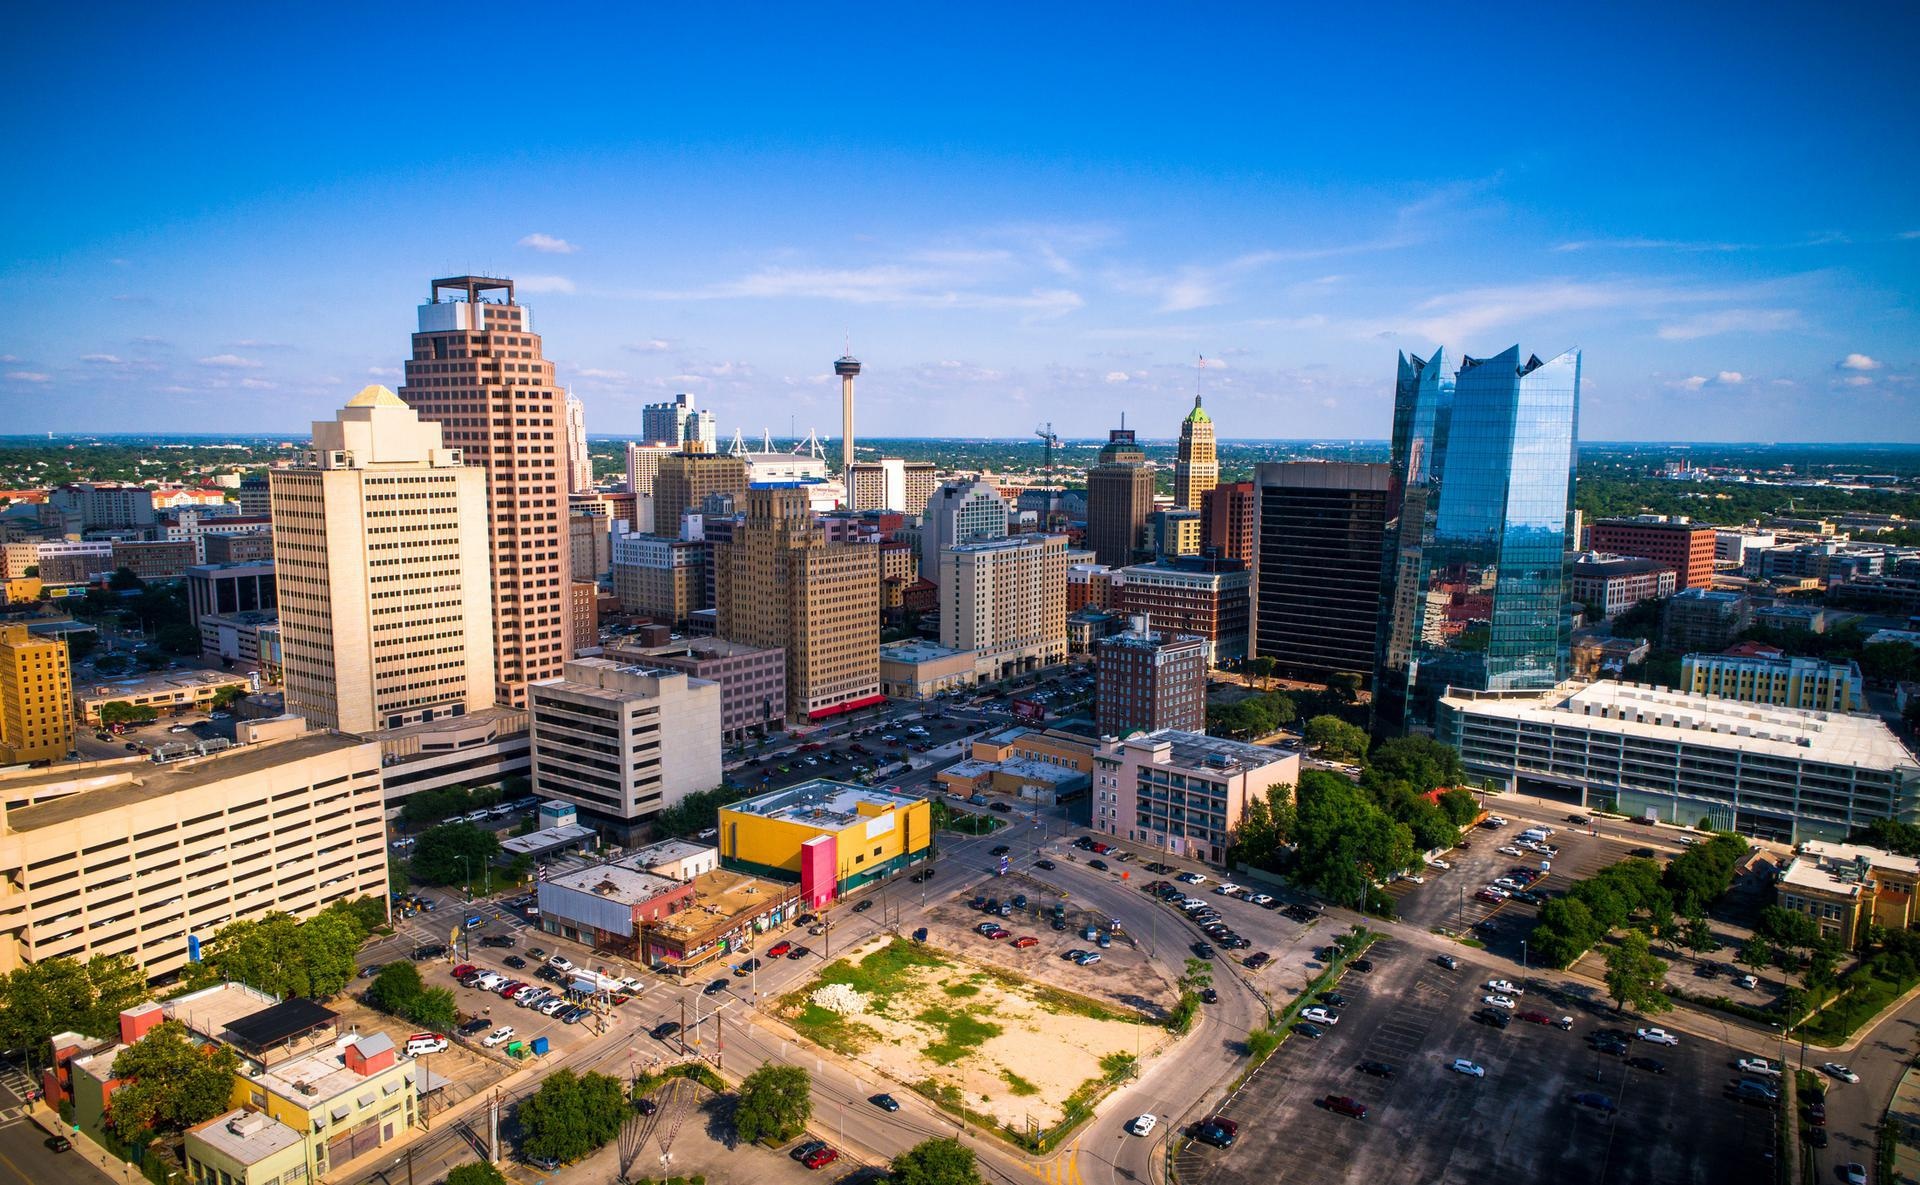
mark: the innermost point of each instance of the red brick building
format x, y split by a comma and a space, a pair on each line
1226, 520
1685, 547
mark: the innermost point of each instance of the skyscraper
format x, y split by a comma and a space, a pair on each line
1479, 513
963, 511
380, 543
36, 697
477, 370
1316, 600
1006, 601
1226, 520
1196, 468
780, 583
1119, 499
677, 423
579, 465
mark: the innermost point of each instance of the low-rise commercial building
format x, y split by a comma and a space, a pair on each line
1787, 682
1780, 616
920, 670
249, 639
609, 905
483, 748
132, 858
165, 691
1785, 774
244, 586
831, 837
155, 559
731, 911
1704, 619
1845, 888
1184, 792
1610, 585
1686, 547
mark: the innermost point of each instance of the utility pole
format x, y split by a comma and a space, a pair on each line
683, 1026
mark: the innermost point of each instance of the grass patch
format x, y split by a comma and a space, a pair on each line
1020, 1087
962, 1032
825, 1027
962, 990
882, 975
1057, 1000
1864, 996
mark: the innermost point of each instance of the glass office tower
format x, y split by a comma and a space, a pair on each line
1479, 515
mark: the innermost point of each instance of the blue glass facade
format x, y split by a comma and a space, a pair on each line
1480, 512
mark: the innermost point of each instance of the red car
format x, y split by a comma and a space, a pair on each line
1223, 1123
1538, 1018
464, 970
820, 1158
509, 990
997, 934
1025, 941
779, 950
1340, 1104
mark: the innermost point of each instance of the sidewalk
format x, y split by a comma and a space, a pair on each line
1903, 1111
110, 1166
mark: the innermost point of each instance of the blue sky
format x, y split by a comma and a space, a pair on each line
222, 219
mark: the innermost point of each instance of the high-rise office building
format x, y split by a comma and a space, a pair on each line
963, 511
1146, 680
1196, 467
1686, 547
380, 540
891, 484
679, 423
1316, 597
1477, 547
477, 370
1005, 600
1204, 595
684, 481
36, 697
579, 463
643, 465
1119, 499
1226, 520
666, 579
778, 582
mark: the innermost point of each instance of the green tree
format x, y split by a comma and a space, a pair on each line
451, 852
477, 1172
1344, 686
697, 811
121, 712
52, 996
775, 1103
226, 697
1566, 929
175, 1083
1343, 842
571, 1115
1902, 839
1697, 935
936, 1162
434, 1009
1421, 762
1460, 806
282, 956
1635, 976
1265, 825
395, 988
123, 580
1332, 737
1261, 668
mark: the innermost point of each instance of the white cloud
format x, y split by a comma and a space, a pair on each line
384, 372
8, 359
1116, 376
1730, 378
1694, 383
594, 372
1729, 321
258, 385
653, 345
544, 284
1858, 380
949, 284
1909, 234
1649, 245
28, 376
1858, 362
548, 244
103, 359
230, 362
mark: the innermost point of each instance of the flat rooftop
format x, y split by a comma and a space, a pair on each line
1853, 853
1806, 874
694, 649
818, 802
720, 899
248, 1137
506, 721
324, 1072
917, 650
616, 882
1198, 751
665, 851
535, 842
160, 681
103, 790
1677, 717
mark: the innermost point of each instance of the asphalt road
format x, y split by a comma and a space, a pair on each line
25, 1157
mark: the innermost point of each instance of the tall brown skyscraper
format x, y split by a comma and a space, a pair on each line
686, 478
477, 370
1196, 467
1119, 499
780, 583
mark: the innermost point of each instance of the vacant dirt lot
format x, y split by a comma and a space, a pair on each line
970, 1034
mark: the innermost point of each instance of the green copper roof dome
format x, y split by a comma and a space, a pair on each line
1199, 414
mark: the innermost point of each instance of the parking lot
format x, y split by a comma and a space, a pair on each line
1429, 1123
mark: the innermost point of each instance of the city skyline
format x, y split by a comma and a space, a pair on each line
1060, 248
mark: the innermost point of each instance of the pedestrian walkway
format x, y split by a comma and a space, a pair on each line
1903, 1112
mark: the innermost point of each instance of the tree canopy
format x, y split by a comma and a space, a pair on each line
1334, 738
1421, 762
936, 1162
176, 1082
476, 1172
1266, 824
399, 990
571, 1115
452, 852
52, 996
775, 1103
1635, 976
1344, 841
697, 811
282, 956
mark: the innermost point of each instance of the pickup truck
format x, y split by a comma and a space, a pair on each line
1758, 1066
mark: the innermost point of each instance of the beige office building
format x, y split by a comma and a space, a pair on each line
132, 858
477, 370
36, 697
1005, 600
684, 481
380, 546
779, 583
1196, 466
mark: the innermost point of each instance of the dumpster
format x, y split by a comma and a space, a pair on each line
539, 1046
516, 1049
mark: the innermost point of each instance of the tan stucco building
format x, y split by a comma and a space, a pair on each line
1006, 601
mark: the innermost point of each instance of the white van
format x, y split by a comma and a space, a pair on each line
403, 844
424, 1043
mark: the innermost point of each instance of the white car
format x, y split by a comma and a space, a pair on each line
1226, 889
1657, 1036
1505, 1002
1260, 898
560, 963
1497, 891
1496, 821
1321, 1016
499, 1036
1836, 1070
1191, 878
1508, 850
1442, 865
1505, 987
1142, 1124
1470, 1069
531, 997
554, 1006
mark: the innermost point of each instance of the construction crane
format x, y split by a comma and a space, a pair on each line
1050, 438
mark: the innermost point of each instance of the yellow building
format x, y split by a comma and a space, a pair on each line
23, 589
167, 691
1196, 468
36, 697
830, 836
245, 1148
1848, 887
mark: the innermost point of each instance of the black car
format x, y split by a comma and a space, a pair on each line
1333, 999
514, 961
714, 988
1214, 1134
1002, 807
805, 919
1019, 900
1000, 850
371, 970
1492, 1017
977, 903
645, 1106
504, 940
1377, 1069
664, 1029
1097, 865
1046, 865
799, 952
863, 906
1362, 965
920, 935
885, 1102
1209, 996
550, 974
1203, 950
1651, 1065
431, 950
1448, 961
1254, 962
478, 1024
1308, 1029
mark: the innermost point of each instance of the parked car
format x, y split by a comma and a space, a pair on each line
1341, 1104
1657, 1036
1141, 1125
1595, 1101
779, 950
499, 1036
1471, 1069
1377, 1069
1321, 1016
1836, 1070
